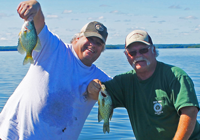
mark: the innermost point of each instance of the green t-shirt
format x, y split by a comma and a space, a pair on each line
153, 105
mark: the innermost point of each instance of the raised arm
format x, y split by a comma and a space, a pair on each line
29, 10
186, 123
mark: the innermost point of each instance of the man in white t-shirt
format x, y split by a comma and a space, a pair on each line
51, 102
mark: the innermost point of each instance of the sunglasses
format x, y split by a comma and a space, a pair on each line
141, 51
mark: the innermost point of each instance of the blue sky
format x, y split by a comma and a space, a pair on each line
167, 21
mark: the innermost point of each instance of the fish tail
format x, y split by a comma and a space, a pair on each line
28, 59
106, 127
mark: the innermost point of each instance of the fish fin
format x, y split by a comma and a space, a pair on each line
103, 102
28, 59
99, 116
106, 127
38, 46
20, 49
111, 114
19, 33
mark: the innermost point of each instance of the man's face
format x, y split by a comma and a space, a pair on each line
140, 56
88, 49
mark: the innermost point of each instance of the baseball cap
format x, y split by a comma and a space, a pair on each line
95, 29
138, 36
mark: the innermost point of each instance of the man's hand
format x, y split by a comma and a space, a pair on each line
28, 9
93, 89
31, 10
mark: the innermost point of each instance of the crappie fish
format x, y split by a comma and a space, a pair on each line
28, 41
105, 110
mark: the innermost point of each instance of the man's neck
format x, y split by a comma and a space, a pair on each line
148, 73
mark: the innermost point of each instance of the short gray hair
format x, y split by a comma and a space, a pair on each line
77, 35
157, 52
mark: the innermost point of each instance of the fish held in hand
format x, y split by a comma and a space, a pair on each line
105, 110
28, 41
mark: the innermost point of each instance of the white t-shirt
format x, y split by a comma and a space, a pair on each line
49, 103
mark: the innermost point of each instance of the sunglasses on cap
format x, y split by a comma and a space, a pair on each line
141, 51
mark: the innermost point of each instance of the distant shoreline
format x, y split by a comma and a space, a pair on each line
164, 46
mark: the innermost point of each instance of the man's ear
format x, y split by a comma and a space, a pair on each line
153, 49
127, 56
76, 40
125, 53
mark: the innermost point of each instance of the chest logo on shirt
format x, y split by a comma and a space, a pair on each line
157, 107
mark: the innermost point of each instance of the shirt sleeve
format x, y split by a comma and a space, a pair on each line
104, 77
49, 43
115, 89
184, 93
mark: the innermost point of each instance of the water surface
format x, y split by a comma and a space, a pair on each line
113, 62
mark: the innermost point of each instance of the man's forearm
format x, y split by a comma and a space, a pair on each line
186, 124
39, 20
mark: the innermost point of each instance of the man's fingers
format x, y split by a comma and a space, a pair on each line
19, 6
24, 10
96, 88
97, 85
99, 82
21, 11
28, 15
27, 11
93, 89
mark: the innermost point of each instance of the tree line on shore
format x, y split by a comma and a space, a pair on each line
159, 46
14, 48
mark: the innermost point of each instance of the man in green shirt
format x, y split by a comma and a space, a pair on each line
160, 99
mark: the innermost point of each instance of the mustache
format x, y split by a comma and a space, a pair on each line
139, 59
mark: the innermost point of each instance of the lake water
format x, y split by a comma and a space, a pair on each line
113, 62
